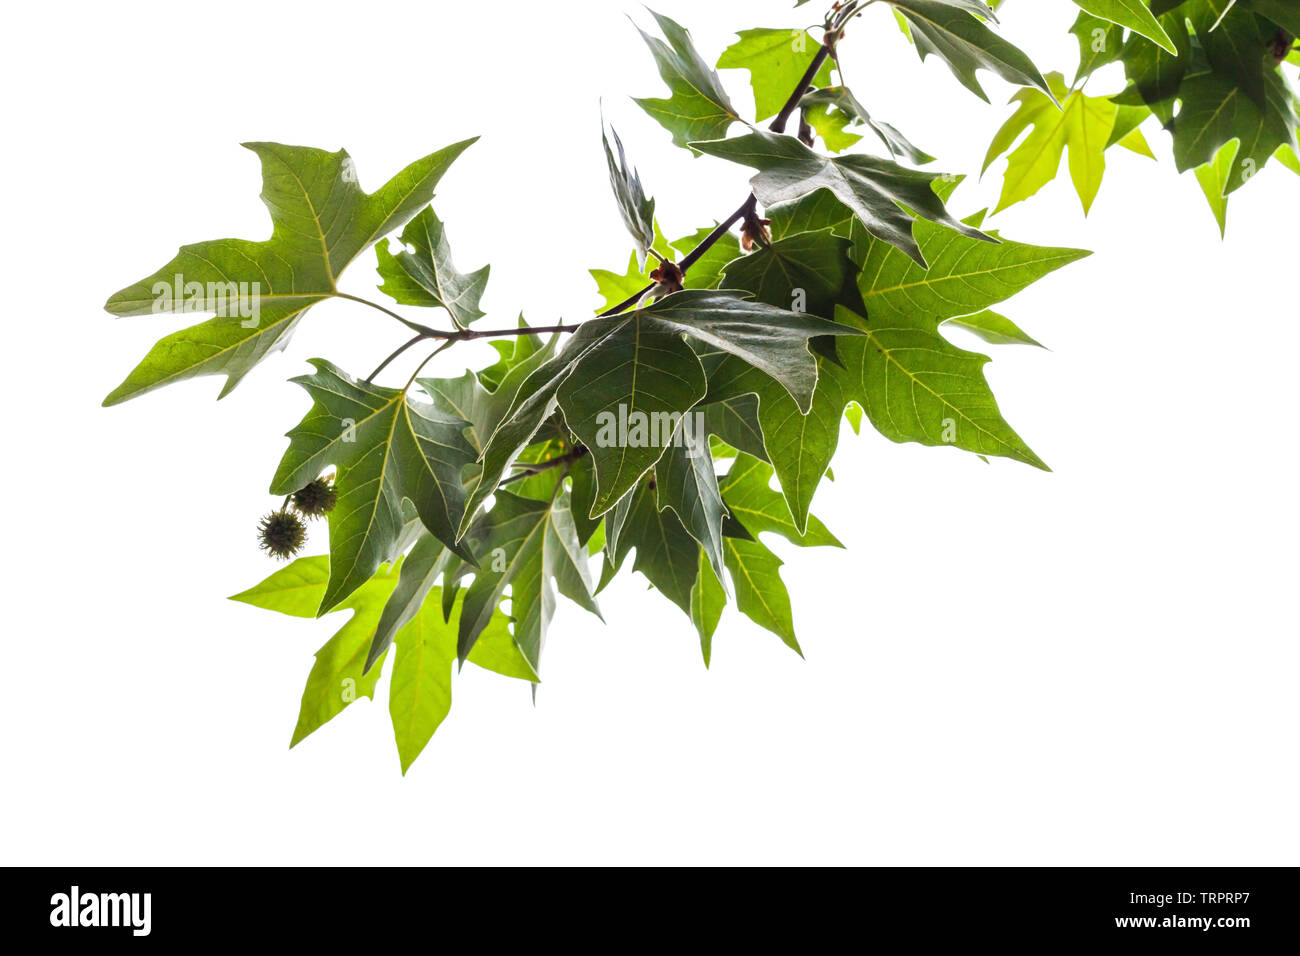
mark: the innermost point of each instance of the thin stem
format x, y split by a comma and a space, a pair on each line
414, 326
533, 468
427, 359
419, 337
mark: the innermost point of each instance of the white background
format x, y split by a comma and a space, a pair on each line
1092, 666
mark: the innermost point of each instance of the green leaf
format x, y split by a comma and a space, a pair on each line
386, 448
426, 276
532, 547
1133, 14
964, 277
760, 593
1284, 13
665, 551
707, 601
338, 676
1100, 42
1155, 73
771, 339
809, 272
874, 189
625, 399
916, 386
1213, 179
638, 212
686, 482
419, 696
321, 221
699, 107
993, 328
735, 421
1216, 111
776, 61
842, 101
420, 572
950, 32
747, 491
1236, 43
1081, 124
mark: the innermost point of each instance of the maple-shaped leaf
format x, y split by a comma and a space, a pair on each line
950, 30
637, 210
916, 386
426, 276
420, 695
665, 551
1216, 111
837, 108
747, 492
699, 107
875, 189
1081, 125
776, 61
531, 547
626, 398
259, 290
387, 448
1133, 14
771, 339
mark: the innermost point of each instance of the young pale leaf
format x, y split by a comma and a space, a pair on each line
876, 190
426, 276
950, 31
419, 696
776, 61
699, 107
1080, 124
386, 449
638, 212
321, 221
338, 675
1213, 179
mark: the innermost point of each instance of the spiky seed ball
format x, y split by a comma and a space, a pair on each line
282, 534
316, 499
